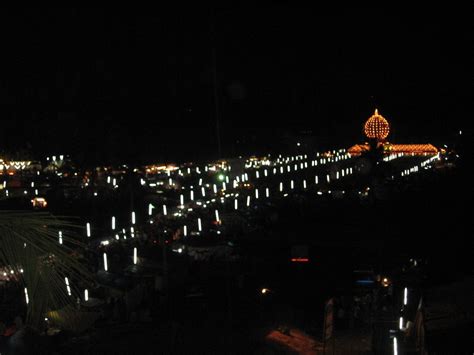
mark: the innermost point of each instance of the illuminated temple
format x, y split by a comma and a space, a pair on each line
377, 128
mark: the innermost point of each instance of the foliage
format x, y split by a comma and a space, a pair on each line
29, 243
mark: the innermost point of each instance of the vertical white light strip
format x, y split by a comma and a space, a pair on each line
106, 267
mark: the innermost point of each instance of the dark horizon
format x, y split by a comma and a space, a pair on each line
137, 86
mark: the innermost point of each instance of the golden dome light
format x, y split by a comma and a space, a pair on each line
376, 127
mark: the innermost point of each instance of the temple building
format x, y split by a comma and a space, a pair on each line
377, 128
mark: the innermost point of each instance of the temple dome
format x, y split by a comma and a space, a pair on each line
376, 127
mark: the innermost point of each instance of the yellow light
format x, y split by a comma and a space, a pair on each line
376, 127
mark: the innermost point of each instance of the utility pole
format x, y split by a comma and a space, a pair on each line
214, 75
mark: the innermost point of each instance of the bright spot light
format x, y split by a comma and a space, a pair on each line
106, 267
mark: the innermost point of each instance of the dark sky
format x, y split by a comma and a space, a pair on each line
138, 85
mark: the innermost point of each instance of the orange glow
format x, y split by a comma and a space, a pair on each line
376, 127
39, 202
300, 260
416, 149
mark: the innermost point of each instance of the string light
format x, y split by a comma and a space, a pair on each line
376, 127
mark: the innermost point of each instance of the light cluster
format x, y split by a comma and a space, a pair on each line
376, 127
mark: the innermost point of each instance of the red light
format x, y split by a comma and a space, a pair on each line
300, 260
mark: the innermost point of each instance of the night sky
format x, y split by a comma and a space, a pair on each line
137, 86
